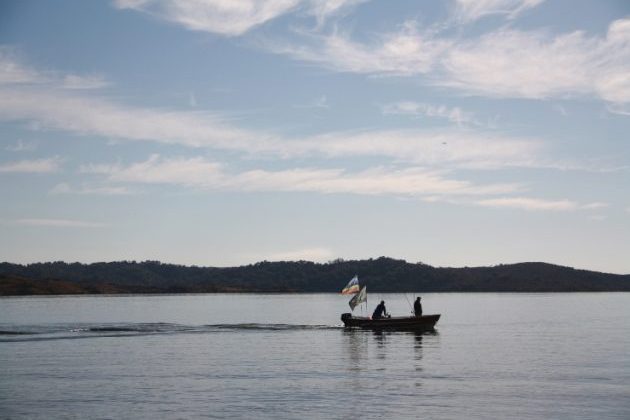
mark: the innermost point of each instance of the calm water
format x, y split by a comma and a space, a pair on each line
286, 356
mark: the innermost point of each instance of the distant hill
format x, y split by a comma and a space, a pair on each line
381, 275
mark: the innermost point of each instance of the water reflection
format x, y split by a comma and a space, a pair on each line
358, 344
380, 337
417, 340
417, 354
357, 349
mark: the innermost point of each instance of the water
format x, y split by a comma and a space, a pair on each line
287, 356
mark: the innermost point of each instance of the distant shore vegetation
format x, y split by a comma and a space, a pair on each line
380, 275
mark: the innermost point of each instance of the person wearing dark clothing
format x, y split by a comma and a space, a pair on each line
380, 311
417, 307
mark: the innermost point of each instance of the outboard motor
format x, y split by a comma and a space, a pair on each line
346, 316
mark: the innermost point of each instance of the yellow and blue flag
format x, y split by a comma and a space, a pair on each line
352, 286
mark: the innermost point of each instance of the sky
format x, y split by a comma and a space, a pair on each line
226, 132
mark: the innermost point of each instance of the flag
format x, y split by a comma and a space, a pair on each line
358, 298
352, 286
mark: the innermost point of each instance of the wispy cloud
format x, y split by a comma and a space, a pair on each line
82, 112
22, 146
225, 17
595, 206
402, 53
470, 10
73, 81
501, 63
498, 63
199, 173
32, 166
65, 188
233, 17
321, 102
454, 114
57, 223
13, 71
463, 148
323, 9
534, 64
431, 186
450, 148
619, 109
536, 204
91, 115
510, 63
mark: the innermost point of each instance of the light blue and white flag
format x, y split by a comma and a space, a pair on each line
358, 298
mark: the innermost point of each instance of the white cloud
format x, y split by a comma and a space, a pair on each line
403, 53
526, 203
613, 84
225, 17
619, 109
63, 103
233, 17
317, 254
73, 81
534, 64
90, 115
61, 223
450, 148
431, 186
455, 114
595, 206
320, 102
199, 173
12, 71
511, 63
65, 188
22, 146
469, 10
84, 113
32, 166
322, 9
191, 172
501, 63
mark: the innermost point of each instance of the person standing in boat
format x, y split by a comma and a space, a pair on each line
417, 307
380, 311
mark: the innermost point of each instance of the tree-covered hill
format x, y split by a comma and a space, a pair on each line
381, 275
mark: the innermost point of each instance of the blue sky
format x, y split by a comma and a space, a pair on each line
225, 132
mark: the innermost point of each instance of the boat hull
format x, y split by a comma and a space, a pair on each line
415, 323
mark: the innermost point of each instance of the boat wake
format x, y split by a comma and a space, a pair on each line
77, 331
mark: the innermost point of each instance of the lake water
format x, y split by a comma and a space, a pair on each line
539, 356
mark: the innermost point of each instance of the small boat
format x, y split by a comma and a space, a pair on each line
407, 323
402, 323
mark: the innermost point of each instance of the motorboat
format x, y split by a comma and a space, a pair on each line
407, 323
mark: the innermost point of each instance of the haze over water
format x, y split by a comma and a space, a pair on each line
287, 356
